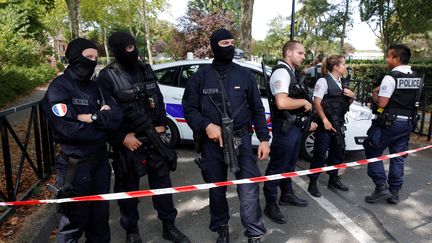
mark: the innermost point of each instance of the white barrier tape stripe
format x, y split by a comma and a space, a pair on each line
161, 191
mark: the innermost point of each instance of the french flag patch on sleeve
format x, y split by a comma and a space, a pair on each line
59, 110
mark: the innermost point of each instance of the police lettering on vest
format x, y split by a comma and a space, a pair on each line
408, 83
402, 101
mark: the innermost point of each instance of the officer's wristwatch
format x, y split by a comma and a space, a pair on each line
93, 117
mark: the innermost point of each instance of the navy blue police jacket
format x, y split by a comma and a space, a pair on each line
242, 92
67, 97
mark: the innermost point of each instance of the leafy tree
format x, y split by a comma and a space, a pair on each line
197, 27
232, 7
22, 40
393, 20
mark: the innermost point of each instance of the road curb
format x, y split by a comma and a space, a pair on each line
38, 226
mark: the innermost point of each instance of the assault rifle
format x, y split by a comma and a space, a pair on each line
144, 126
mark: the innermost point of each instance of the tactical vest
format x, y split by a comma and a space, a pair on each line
402, 101
317, 71
295, 91
339, 104
141, 88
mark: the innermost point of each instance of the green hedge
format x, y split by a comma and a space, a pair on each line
16, 80
372, 72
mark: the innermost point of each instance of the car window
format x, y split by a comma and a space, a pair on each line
167, 76
260, 82
187, 72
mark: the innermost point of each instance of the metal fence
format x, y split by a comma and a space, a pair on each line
363, 89
33, 152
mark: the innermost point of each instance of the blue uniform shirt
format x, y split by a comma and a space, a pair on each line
67, 97
242, 91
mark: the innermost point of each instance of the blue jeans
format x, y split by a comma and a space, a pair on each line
285, 149
396, 138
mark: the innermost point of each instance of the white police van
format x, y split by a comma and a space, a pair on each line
173, 77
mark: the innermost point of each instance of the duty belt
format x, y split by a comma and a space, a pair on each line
398, 118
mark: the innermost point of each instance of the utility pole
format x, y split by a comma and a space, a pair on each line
292, 20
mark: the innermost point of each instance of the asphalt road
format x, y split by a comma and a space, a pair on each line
335, 217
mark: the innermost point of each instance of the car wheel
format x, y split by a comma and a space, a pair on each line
307, 146
171, 136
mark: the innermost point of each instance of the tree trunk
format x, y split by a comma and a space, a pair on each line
345, 21
73, 7
246, 26
106, 46
147, 33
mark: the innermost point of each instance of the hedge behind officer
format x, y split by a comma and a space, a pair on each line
137, 145
332, 98
395, 99
81, 118
220, 100
290, 118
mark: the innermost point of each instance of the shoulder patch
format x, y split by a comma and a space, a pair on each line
59, 109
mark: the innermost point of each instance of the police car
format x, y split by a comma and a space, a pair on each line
173, 77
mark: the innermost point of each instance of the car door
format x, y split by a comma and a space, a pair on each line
263, 92
185, 72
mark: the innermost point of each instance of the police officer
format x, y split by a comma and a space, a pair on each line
289, 119
220, 88
314, 71
81, 119
395, 98
332, 99
133, 85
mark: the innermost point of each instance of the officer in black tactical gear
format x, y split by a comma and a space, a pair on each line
81, 118
332, 98
220, 103
137, 145
396, 100
290, 118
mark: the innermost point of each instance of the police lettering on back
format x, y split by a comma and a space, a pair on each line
408, 83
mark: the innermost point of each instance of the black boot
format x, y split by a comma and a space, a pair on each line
223, 233
335, 182
381, 192
313, 188
133, 238
290, 198
395, 197
171, 233
272, 211
254, 239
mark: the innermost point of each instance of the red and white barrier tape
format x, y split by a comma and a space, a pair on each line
147, 193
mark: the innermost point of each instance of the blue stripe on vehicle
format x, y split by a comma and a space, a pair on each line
175, 110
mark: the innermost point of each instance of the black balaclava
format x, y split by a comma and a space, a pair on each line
78, 64
118, 42
222, 55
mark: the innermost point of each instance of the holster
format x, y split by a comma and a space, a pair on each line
66, 190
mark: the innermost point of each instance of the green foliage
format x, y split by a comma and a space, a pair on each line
15, 80
60, 67
374, 72
20, 36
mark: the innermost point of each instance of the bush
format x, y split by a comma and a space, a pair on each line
60, 67
16, 80
374, 72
